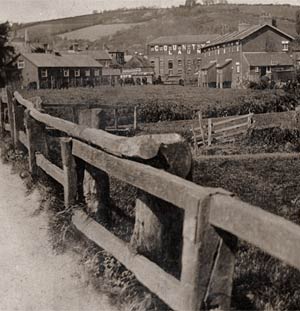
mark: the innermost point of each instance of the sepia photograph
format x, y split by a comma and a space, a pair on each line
149, 155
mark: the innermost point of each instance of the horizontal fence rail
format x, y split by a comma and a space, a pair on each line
213, 217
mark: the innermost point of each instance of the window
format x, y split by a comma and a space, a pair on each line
268, 70
179, 62
77, 73
285, 46
170, 64
44, 73
238, 67
66, 72
237, 48
179, 71
87, 73
21, 64
257, 69
224, 50
198, 61
97, 73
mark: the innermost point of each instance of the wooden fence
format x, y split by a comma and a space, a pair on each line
73, 112
220, 131
213, 218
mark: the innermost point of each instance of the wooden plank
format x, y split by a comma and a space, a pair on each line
23, 138
273, 234
229, 134
142, 147
49, 168
233, 127
233, 119
148, 273
157, 182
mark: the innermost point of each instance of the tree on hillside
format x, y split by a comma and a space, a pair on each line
6, 54
190, 3
298, 22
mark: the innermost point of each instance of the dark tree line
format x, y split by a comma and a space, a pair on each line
7, 55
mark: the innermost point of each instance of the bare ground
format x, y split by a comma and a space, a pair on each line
32, 276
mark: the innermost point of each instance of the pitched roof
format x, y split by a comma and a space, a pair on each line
97, 54
137, 61
268, 59
52, 60
242, 34
184, 39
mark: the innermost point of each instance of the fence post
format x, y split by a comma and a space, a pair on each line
36, 138
116, 118
18, 121
209, 132
135, 118
201, 127
157, 223
220, 286
94, 183
249, 120
200, 244
70, 174
1, 118
10, 115
195, 138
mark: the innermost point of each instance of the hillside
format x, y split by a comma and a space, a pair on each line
131, 29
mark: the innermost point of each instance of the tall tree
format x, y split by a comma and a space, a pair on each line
6, 53
298, 22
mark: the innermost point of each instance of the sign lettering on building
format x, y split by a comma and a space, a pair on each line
178, 49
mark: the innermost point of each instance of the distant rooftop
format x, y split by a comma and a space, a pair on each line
184, 39
52, 60
242, 34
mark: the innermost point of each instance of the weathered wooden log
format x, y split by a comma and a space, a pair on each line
10, 115
139, 147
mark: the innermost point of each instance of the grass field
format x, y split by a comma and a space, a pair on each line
97, 32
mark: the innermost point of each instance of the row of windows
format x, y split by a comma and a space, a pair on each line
66, 72
218, 50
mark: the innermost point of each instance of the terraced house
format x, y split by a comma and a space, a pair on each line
177, 57
234, 59
43, 70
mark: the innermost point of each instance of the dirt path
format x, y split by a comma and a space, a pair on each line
32, 277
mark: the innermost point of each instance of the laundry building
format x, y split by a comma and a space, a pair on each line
177, 55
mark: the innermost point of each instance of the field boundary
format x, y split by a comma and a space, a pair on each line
213, 218
222, 130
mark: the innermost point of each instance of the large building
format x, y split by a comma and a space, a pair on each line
235, 59
42, 70
177, 55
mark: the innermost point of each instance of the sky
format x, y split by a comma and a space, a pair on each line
35, 10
